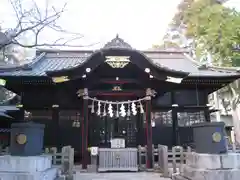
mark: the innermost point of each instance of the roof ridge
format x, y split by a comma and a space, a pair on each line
164, 51
42, 50
191, 59
235, 69
212, 67
36, 60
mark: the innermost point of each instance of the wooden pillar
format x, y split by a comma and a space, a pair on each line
175, 134
55, 123
139, 128
85, 130
175, 138
207, 115
206, 110
105, 131
149, 130
21, 113
116, 127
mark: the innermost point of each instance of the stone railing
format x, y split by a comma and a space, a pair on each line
66, 154
166, 161
163, 159
4, 151
178, 158
65, 158
210, 166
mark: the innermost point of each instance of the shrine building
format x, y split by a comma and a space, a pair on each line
86, 98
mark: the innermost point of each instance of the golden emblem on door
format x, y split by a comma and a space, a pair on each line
217, 137
21, 139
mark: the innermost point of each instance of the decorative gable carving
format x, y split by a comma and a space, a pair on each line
117, 43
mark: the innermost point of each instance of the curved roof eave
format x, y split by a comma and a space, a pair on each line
104, 50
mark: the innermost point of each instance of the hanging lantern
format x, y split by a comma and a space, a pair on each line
153, 123
92, 109
104, 110
129, 110
77, 124
134, 109
99, 109
74, 123
110, 110
141, 108
117, 112
122, 110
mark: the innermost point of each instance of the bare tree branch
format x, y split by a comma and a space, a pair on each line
52, 45
17, 14
35, 20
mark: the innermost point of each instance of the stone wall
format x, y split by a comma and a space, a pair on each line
212, 166
27, 168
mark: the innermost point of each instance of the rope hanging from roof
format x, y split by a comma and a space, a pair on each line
116, 102
119, 106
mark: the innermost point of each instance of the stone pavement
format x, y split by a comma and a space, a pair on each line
120, 176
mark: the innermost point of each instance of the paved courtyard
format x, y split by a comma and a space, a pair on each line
120, 176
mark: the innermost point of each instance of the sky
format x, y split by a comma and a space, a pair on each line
233, 4
141, 23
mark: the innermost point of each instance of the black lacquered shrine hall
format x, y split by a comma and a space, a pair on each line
56, 86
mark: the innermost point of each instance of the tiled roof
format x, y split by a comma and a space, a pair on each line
8, 108
58, 60
46, 63
4, 130
183, 62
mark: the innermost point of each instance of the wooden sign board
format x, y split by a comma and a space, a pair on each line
118, 143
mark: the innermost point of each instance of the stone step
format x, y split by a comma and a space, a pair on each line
178, 177
49, 174
207, 174
214, 161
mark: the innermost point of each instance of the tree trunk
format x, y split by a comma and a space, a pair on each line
236, 122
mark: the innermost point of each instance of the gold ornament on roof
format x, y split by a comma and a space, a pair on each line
60, 79
150, 92
82, 92
117, 88
117, 61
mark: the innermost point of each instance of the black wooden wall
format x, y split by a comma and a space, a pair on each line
43, 99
